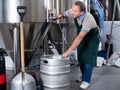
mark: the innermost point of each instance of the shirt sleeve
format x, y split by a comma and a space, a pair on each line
88, 24
68, 13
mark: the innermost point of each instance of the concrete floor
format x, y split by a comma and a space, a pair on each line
104, 78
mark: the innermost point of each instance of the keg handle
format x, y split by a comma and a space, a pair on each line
44, 61
21, 10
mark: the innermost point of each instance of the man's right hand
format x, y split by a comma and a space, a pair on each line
60, 15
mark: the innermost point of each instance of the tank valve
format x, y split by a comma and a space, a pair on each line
52, 15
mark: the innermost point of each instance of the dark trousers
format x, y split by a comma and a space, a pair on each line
86, 70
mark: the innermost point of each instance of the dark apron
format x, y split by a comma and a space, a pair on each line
88, 48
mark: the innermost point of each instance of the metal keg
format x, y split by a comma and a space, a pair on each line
55, 72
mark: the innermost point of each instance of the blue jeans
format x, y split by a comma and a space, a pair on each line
86, 70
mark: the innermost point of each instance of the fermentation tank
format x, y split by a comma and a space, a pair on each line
36, 11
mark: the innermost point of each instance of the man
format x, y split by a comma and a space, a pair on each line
86, 41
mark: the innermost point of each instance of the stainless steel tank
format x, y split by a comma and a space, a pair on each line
28, 83
55, 72
36, 10
35, 16
1, 14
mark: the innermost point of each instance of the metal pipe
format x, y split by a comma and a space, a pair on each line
57, 8
1, 10
118, 6
45, 45
64, 40
106, 10
53, 7
86, 4
16, 50
43, 35
113, 17
47, 10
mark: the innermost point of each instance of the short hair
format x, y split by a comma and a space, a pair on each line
81, 5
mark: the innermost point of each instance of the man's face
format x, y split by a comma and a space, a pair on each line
76, 11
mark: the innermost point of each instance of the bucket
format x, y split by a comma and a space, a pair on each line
100, 61
55, 72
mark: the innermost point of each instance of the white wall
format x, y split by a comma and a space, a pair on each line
115, 34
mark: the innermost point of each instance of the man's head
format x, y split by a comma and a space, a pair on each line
78, 9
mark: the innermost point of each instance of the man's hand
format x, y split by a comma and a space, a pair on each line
60, 15
66, 54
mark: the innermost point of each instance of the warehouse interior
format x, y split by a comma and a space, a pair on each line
32, 40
